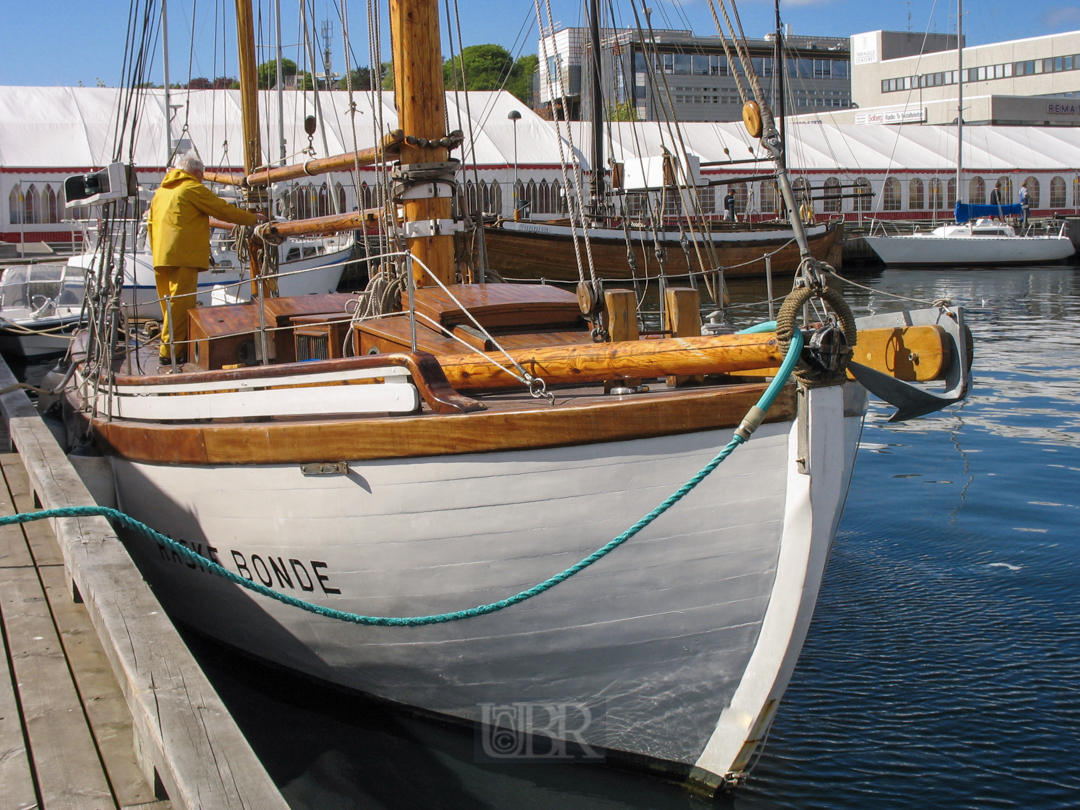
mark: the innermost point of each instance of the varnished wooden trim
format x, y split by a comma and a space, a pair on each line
532, 426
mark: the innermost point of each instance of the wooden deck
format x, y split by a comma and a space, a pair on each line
101, 704
66, 737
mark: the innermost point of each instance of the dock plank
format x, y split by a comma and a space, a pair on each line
183, 730
16, 778
39, 536
65, 758
103, 702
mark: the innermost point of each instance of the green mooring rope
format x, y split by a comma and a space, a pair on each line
128, 522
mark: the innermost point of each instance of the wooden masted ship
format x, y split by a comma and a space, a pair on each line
536, 251
477, 442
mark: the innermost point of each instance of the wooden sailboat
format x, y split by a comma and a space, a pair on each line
631, 250
475, 444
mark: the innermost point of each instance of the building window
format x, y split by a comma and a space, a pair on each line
977, 191
1057, 192
833, 203
863, 194
934, 194
890, 198
31, 206
801, 189
768, 197
707, 199
915, 194
49, 213
1076, 191
672, 202
323, 200
1033, 191
14, 209
950, 194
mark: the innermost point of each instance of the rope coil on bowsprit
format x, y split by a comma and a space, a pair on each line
825, 358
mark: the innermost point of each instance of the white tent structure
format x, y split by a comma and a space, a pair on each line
48, 133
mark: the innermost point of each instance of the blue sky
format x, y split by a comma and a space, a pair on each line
54, 43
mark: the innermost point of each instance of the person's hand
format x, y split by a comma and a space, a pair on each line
260, 216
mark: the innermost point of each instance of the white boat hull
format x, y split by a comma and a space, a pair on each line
952, 251
674, 648
25, 342
319, 273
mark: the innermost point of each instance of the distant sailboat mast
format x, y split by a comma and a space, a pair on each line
960, 98
597, 99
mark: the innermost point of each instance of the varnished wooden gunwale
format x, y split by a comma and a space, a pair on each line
510, 424
524, 256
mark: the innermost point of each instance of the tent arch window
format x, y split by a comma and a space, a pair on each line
916, 200
1057, 192
891, 198
934, 194
1033, 190
31, 209
977, 191
833, 203
862, 194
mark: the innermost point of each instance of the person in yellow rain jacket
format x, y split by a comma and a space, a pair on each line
178, 228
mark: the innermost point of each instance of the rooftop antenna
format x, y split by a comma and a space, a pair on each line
909, 16
327, 35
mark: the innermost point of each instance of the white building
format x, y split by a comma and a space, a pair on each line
1034, 82
691, 78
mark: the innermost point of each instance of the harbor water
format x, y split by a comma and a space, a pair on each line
942, 669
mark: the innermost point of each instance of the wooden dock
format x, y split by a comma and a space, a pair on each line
101, 703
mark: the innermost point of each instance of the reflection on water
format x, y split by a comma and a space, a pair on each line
943, 665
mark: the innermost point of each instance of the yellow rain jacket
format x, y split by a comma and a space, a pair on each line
178, 226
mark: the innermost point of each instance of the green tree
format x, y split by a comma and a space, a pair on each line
362, 78
622, 111
521, 79
267, 72
486, 68
387, 75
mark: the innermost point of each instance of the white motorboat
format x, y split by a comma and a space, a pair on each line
40, 306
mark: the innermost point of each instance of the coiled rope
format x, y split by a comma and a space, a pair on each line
748, 425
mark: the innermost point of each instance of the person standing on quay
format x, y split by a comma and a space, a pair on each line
178, 229
995, 199
729, 205
1024, 204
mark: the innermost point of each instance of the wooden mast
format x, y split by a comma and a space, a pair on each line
249, 98
421, 103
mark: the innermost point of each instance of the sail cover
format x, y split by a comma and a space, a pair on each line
965, 211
